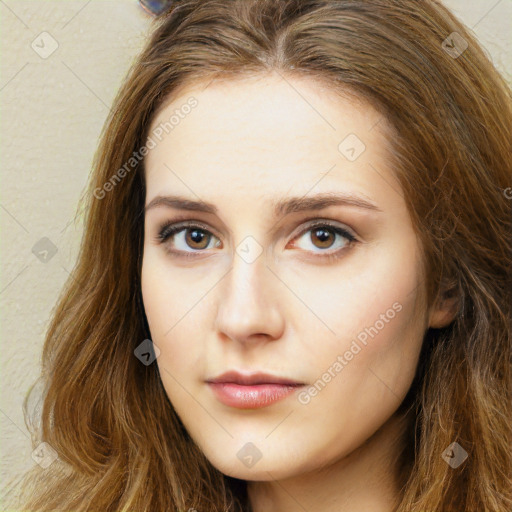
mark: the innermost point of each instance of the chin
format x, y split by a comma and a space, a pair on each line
247, 464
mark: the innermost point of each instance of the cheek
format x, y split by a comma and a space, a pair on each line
373, 289
376, 333
156, 295
175, 310
358, 382
376, 352
170, 294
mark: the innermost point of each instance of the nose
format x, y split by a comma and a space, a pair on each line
249, 309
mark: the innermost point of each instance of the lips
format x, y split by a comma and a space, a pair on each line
251, 391
247, 379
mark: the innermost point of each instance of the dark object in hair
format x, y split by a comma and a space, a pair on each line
156, 7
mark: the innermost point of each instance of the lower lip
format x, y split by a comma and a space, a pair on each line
251, 397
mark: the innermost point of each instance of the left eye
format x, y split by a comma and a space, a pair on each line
323, 236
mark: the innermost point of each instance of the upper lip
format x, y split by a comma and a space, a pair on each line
247, 379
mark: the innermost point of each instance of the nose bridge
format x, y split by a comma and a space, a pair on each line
248, 304
247, 280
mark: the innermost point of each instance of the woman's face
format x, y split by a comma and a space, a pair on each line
266, 279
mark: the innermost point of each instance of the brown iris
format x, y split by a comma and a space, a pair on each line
323, 236
197, 236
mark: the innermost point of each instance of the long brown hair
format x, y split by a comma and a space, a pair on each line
120, 443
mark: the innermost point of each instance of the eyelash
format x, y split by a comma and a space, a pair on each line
167, 230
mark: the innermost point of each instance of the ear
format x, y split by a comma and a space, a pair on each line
445, 308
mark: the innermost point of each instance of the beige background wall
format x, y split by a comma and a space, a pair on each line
61, 64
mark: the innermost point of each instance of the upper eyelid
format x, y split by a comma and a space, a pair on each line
329, 223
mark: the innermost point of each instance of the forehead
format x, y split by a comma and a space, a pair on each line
272, 133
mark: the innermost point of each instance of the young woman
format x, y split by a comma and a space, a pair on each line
294, 286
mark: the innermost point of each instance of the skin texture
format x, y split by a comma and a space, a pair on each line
291, 312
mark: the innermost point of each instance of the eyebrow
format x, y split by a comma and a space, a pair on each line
280, 207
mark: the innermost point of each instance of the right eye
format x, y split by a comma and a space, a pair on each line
187, 236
